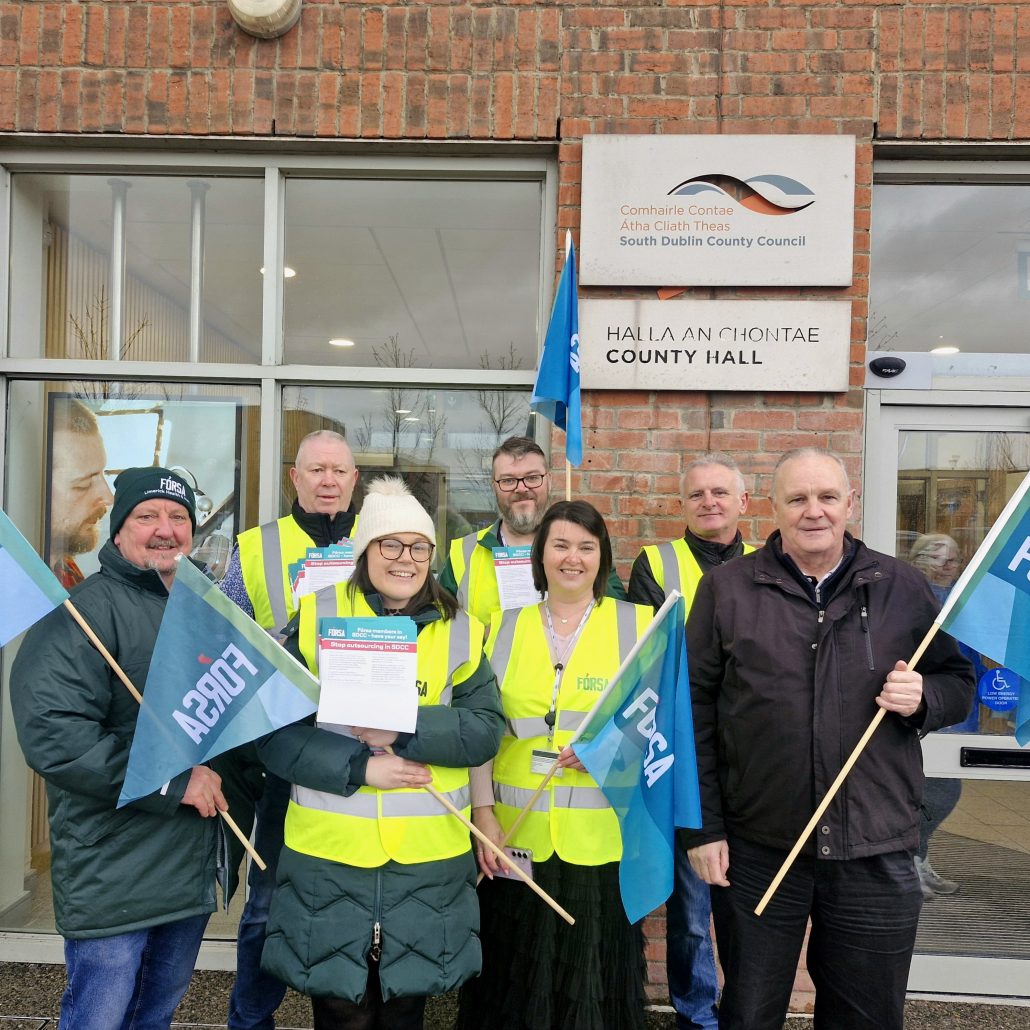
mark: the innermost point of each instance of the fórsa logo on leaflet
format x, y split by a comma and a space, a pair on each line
762, 194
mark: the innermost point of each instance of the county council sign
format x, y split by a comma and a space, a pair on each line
717, 210
795, 345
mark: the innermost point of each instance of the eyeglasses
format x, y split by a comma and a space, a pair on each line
532, 482
420, 551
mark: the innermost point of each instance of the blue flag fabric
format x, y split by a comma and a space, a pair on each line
216, 681
639, 747
556, 391
30, 589
989, 607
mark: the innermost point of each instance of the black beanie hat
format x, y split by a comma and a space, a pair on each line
146, 484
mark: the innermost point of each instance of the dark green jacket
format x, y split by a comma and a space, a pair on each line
114, 870
321, 924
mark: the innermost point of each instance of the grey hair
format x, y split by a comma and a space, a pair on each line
717, 458
809, 452
321, 434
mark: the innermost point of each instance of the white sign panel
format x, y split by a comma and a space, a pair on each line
795, 345
717, 210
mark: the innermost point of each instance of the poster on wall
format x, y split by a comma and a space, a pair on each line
91, 440
688, 210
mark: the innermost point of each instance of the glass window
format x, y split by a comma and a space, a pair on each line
67, 441
952, 486
142, 268
950, 266
441, 440
412, 273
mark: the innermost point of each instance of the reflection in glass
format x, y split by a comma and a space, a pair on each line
949, 267
441, 440
142, 268
417, 273
952, 486
66, 444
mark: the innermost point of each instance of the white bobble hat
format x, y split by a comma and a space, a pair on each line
390, 508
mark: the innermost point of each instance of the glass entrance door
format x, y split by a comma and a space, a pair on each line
936, 479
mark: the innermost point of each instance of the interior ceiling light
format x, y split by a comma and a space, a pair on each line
403, 411
341, 342
288, 273
945, 350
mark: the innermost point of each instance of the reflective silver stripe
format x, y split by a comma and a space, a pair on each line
468, 548
518, 797
578, 797
421, 803
361, 806
626, 621
670, 568
459, 647
503, 643
325, 606
571, 720
561, 797
526, 728
364, 806
272, 559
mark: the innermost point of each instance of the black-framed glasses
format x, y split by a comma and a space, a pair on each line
509, 483
420, 550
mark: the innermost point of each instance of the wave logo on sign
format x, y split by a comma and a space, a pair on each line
763, 194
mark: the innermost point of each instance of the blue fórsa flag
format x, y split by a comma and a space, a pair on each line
639, 747
29, 589
988, 609
556, 392
216, 681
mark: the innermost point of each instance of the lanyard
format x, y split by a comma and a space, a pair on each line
559, 664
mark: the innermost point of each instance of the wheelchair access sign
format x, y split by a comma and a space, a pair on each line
998, 689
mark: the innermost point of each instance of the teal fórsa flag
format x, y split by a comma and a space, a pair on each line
639, 747
556, 392
989, 607
216, 681
29, 589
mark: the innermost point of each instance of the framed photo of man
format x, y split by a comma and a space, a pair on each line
91, 440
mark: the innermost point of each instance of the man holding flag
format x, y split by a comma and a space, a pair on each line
133, 887
793, 649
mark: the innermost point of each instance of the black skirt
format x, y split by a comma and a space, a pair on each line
539, 973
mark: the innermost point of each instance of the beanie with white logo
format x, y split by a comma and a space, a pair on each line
133, 486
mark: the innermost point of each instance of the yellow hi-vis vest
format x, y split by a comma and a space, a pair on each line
373, 826
266, 553
572, 817
674, 567
473, 568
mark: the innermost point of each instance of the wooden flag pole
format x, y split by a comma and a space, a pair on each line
837, 783
498, 853
568, 480
120, 673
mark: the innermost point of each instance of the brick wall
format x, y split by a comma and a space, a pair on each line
544, 71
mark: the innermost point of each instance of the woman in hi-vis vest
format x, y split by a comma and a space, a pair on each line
552, 661
375, 905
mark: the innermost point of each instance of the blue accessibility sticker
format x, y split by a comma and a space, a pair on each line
998, 689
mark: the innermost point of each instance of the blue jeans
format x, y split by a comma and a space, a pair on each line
864, 916
690, 959
131, 981
256, 994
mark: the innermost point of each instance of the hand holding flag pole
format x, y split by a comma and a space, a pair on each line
662, 613
971, 614
498, 853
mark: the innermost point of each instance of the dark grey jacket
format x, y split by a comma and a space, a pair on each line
321, 924
782, 691
114, 870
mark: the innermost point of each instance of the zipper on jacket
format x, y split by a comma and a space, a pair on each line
822, 615
377, 930
864, 619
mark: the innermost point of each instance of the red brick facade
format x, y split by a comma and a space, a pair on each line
526, 71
